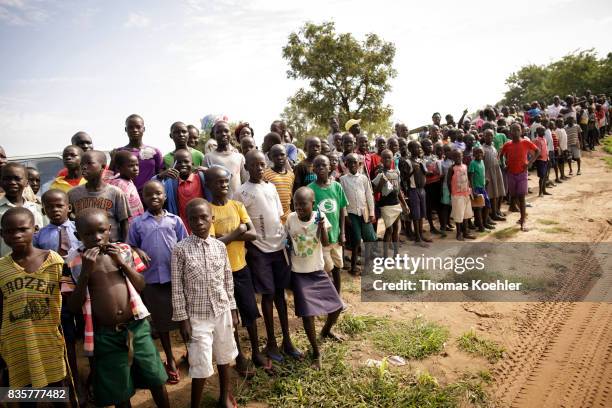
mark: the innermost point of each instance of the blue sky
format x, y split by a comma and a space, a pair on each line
85, 65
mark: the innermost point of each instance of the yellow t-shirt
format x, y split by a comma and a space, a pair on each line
227, 218
60, 183
30, 341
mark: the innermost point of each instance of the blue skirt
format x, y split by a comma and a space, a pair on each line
314, 294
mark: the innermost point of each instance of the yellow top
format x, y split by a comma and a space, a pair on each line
30, 340
61, 184
227, 218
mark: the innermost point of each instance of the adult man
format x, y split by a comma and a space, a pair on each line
555, 109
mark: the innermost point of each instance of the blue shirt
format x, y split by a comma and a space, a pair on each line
48, 237
157, 238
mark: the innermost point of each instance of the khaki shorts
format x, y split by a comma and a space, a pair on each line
211, 338
461, 208
332, 256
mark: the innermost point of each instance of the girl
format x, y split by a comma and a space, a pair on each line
459, 186
127, 165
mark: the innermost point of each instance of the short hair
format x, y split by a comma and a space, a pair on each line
304, 191
98, 155
176, 124
192, 127
77, 134
183, 151
76, 147
154, 181
319, 158
54, 191
28, 169
122, 157
278, 147
86, 214
196, 202
250, 155
133, 116
14, 211
212, 129
272, 137
13, 165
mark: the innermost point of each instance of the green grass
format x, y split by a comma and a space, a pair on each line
354, 325
608, 161
471, 343
607, 144
412, 340
547, 222
508, 232
556, 230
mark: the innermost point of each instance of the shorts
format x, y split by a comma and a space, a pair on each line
462, 208
552, 159
417, 203
575, 152
115, 376
562, 157
433, 194
244, 293
359, 230
69, 328
270, 270
157, 297
517, 184
211, 338
483, 191
332, 256
541, 167
314, 294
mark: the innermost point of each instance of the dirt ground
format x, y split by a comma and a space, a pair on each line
558, 354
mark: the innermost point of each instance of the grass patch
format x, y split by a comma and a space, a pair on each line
607, 144
508, 232
412, 340
608, 161
556, 230
353, 325
471, 343
547, 222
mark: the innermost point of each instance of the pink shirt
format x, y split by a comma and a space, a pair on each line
460, 184
543, 146
129, 189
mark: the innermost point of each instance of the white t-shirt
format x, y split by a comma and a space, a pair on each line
553, 111
307, 251
265, 210
232, 161
562, 136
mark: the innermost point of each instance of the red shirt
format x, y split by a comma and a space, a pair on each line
187, 191
516, 154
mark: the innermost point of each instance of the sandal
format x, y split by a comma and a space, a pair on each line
174, 377
268, 368
294, 353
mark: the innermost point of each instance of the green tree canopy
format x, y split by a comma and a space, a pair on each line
346, 78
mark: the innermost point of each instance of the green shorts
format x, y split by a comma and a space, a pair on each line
360, 230
115, 377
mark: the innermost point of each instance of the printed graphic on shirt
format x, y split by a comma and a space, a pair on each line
92, 202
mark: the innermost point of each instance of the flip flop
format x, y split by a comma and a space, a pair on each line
295, 354
174, 377
277, 357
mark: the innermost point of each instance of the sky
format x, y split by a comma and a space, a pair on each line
75, 65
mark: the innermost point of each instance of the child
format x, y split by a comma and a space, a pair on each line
179, 133
281, 177
334, 173
392, 203
203, 302
107, 283
233, 227
416, 190
153, 235
553, 153
31, 343
13, 180
127, 165
542, 160
313, 292
562, 152
34, 179
459, 186
360, 209
348, 147
71, 156
150, 160
403, 166
266, 255
59, 236
433, 185
476, 172
330, 200
573, 143
194, 136
494, 183
445, 200
97, 194
224, 156
304, 174
247, 143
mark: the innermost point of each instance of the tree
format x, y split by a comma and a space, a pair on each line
300, 124
346, 78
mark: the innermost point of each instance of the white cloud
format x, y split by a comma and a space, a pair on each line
22, 12
136, 20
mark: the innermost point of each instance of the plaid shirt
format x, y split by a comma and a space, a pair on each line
202, 283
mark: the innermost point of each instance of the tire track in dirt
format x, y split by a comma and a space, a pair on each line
563, 357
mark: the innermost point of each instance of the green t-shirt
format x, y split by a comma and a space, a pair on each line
477, 167
498, 141
196, 156
330, 200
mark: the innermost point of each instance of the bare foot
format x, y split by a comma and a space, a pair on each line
332, 336
316, 363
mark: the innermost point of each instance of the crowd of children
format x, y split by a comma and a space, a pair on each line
189, 239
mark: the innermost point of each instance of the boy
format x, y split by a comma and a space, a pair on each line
203, 302
150, 160
34, 179
496, 189
233, 227
360, 209
128, 167
82, 140
433, 185
304, 173
107, 284
281, 177
574, 136
516, 152
223, 156
416, 192
348, 147
563, 152
461, 193
13, 180
71, 156
266, 255
97, 194
542, 160
153, 235
476, 173
330, 199
179, 133
31, 343
60, 236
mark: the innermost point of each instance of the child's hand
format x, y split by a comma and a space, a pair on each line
89, 258
144, 256
114, 252
342, 240
186, 329
235, 318
372, 220
170, 173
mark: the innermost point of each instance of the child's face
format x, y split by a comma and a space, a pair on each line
348, 144
222, 134
154, 196
469, 141
333, 162
71, 158
321, 168
313, 149
13, 181
180, 135
94, 232
184, 163
393, 145
91, 167
488, 137
34, 180
17, 232
415, 149
130, 169
303, 204
338, 141
478, 154
403, 147
363, 144
56, 207
247, 144
325, 149
387, 159
427, 146
135, 129
245, 132
219, 185
256, 166
458, 158
84, 142
193, 138
439, 150
200, 219
381, 144
353, 164
279, 158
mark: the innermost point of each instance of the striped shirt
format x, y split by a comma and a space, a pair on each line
202, 282
572, 135
30, 341
284, 185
